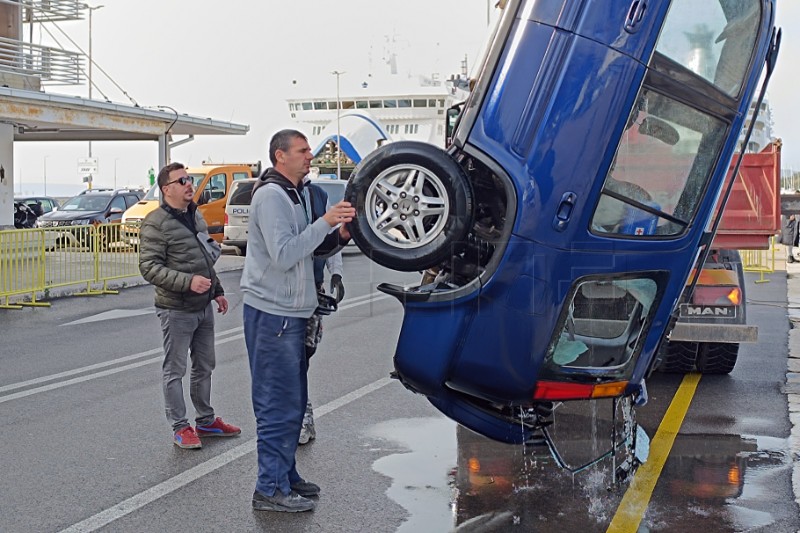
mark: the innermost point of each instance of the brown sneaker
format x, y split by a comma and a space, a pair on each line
187, 438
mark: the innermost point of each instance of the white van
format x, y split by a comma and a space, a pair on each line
237, 209
237, 212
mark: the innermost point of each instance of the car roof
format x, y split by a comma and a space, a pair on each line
35, 196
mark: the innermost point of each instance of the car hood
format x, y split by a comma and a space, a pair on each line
140, 210
69, 215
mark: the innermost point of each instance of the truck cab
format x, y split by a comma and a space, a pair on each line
562, 223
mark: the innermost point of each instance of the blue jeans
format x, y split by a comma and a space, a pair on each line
278, 370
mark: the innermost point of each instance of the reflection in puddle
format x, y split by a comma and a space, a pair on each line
447, 477
716, 483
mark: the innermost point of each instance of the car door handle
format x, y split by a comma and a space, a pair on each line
635, 15
564, 211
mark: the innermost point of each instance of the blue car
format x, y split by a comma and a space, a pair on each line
558, 229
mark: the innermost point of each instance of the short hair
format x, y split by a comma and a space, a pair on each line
163, 174
281, 141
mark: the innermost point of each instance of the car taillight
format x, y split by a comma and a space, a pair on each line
226, 219
717, 296
557, 390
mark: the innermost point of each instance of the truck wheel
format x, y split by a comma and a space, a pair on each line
414, 205
717, 358
678, 357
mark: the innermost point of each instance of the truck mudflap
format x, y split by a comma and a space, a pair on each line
729, 333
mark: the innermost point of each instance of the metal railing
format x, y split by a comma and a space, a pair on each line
52, 10
53, 65
35, 261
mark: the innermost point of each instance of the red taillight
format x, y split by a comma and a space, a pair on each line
556, 390
226, 219
717, 296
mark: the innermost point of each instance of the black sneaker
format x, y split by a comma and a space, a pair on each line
306, 488
286, 503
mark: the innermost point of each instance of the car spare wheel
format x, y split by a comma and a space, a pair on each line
414, 205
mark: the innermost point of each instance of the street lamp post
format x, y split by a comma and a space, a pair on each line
338, 127
45, 174
91, 9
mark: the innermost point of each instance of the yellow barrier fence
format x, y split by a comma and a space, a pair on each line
761, 261
34, 261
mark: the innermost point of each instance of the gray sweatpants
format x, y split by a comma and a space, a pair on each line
192, 333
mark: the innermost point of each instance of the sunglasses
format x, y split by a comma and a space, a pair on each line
183, 180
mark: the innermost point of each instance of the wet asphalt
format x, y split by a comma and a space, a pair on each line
86, 446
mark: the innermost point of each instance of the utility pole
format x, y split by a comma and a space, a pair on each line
91, 62
338, 127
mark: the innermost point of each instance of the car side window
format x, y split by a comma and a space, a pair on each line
660, 170
714, 39
131, 199
118, 202
216, 187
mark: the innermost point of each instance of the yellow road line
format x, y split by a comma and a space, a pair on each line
633, 505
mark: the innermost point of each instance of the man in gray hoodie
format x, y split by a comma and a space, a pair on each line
279, 297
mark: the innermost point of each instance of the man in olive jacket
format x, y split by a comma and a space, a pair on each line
173, 258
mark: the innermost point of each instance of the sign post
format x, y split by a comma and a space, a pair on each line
87, 167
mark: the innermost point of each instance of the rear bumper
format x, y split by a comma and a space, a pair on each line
732, 333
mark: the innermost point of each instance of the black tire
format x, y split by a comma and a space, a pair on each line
717, 358
678, 357
433, 212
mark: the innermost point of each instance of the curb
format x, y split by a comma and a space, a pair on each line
792, 385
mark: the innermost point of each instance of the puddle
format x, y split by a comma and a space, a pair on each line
451, 479
720, 483
421, 473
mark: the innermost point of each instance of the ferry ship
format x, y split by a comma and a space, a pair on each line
371, 111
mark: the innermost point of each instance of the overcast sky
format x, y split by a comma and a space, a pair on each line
238, 61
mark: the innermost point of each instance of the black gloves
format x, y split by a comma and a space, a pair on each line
337, 287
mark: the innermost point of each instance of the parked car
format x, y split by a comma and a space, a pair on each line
566, 216
237, 214
89, 208
237, 209
39, 204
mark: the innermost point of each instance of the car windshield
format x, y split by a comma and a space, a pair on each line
152, 194
86, 203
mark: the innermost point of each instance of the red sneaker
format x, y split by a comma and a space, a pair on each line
218, 428
187, 438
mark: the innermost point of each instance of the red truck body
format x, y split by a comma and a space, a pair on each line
753, 212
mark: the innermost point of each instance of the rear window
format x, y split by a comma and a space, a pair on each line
242, 192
